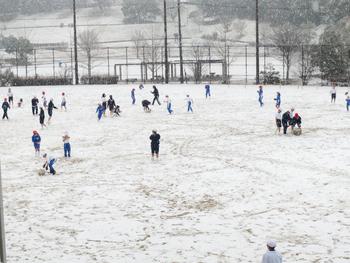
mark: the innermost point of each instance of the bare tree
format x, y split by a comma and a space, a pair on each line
198, 66
287, 39
88, 42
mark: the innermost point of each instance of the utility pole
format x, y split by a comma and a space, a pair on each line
75, 44
257, 42
166, 44
2, 227
180, 43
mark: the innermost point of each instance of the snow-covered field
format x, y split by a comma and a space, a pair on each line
224, 184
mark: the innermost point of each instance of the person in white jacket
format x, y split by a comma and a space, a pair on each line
278, 118
168, 104
333, 93
272, 256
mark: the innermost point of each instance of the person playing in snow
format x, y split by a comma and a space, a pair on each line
278, 118
35, 103
333, 93
5, 108
141, 86
145, 105
64, 102
100, 111
168, 104
189, 101
133, 98
271, 256
295, 121
66, 145
49, 163
155, 141
155, 93
347, 101
286, 121
278, 100
50, 108
207, 91
291, 114
42, 117
43, 97
261, 95
20, 103
104, 103
10, 96
111, 105
117, 111
36, 139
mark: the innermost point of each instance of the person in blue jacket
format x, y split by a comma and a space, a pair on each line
133, 98
278, 100
49, 163
36, 139
348, 102
207, 91
261, 95
100, 111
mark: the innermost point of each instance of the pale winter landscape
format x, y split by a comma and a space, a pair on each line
224, 183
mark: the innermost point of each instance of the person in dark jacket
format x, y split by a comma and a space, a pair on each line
286, 121
42, 117
5, 108
50, 108
145, 105
155, 93
155, 140
35, 103
111, 105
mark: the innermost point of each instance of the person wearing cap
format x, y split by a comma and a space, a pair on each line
49, 163
64, 102
155, 141
286, 121
272, 256
278, 118
261, 95
36, 139
5, 108
66, 145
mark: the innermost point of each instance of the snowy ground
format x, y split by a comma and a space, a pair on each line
224, 183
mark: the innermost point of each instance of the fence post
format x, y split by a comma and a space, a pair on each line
35, 69
228, 66
108, 62
246, 65
17, 62
71, 64
2, 226
127, 65
53, 63
209, 55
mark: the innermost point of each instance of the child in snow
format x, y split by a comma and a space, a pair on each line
117, 111
10, 96
286, 121
155, 141
100, 111
261, 95
111, 105
141, 87
50, 108
49, 163
189, 101
35, 103
278, 118
278, 100
272, 256
168, 104
155, 93
43, 97
133, 98
348, 102
145, 105
333, 93
66, 145
64, 102
36, 139
5, 108
207, 91
296, 120
42, 117
20, 103
104, 103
